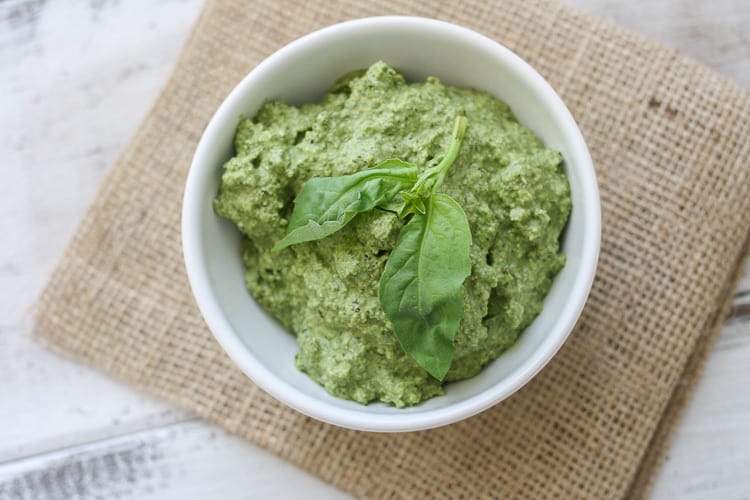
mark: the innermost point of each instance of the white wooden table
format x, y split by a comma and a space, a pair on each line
76, 80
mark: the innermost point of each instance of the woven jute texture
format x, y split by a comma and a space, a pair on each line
671, 144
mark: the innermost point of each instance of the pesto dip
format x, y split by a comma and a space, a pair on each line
512, 189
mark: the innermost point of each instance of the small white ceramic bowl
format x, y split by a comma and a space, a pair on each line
302, 72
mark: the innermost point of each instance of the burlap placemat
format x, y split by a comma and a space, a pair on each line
671, 144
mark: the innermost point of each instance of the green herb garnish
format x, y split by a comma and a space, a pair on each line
326, 204
420, 289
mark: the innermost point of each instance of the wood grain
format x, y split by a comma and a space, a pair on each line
77, 79
186, 460
67, 90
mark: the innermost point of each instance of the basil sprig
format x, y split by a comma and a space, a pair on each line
420, 288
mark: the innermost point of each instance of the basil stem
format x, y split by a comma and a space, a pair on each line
432, 178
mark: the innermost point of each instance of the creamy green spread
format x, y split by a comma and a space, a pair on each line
512, 189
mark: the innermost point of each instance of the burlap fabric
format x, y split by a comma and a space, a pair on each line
671, 145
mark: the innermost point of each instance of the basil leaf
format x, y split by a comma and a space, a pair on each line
420, 289
326, 204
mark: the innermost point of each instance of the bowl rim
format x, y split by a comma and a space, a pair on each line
309, 405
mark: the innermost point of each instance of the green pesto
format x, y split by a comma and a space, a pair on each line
512, 189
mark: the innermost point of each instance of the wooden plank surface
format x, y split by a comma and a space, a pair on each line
185, 460
77, 79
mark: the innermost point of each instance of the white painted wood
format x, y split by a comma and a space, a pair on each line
71, 74
709, 457
77, 78
47, 402
173, 462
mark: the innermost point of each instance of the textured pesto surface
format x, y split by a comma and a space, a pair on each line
513, 191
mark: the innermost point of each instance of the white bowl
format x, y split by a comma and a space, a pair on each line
301, 72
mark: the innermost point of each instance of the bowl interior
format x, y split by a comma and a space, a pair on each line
302, 72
